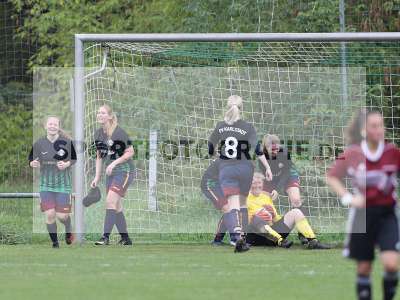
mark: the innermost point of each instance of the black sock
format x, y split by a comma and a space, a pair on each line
363, 287
120, 222
232, 222
109, 222
221, 229
52, 229
390, 280
244, 217
67, 224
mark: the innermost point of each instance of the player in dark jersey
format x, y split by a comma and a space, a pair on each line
115, 149
235, 139
54, 154
212, 190
286, 179
372, 166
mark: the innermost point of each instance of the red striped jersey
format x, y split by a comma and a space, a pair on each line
373, 174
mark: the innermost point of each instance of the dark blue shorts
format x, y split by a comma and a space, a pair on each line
119, 182
61, 202
236, 178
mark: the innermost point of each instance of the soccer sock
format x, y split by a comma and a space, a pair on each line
52, 229
266, 231
363, 287
67, 224
232, 222
272, 235
305, 229
120, 222
390, 280
109, 222
244, 217
221, 229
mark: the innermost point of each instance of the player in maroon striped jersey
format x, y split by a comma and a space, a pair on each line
373, 166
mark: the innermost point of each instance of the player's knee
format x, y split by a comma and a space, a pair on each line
364, 268
391, 267
296, 201
110, 204
225, 209
62, 216
119, 207
298, 214
50, 216
390, 261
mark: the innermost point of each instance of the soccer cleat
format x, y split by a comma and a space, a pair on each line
315, 244
241, 246
103, 241
56, 245
125, 242
302, 239
285, 244
69, 238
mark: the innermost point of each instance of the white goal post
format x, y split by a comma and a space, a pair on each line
79, 83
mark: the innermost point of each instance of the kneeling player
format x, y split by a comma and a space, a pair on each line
286, 179
268, 228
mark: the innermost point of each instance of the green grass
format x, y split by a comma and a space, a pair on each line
157, 271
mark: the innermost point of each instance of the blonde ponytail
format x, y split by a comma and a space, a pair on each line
233, 114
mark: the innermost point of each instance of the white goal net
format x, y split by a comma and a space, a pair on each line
169, 97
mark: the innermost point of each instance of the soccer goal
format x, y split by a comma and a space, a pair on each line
169, 91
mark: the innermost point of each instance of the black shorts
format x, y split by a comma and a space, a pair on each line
381, 229
258, 240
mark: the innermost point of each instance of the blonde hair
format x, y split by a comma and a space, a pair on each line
268, 140
113, 122
258, 175
61, 131
235, 105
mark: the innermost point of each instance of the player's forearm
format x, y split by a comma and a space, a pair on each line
264, 162
128, 154
98, 167
336, 185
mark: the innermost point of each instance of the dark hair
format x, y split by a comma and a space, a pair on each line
353, 132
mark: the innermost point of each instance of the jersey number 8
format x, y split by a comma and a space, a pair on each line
231, 144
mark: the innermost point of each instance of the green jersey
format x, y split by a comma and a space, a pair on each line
49, 153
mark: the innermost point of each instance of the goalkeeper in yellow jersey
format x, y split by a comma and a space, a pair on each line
267, 227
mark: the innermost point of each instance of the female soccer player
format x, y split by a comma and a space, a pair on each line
54, 154
286, 178
114, 148
235, 138
212, 190
372, 165
267, 227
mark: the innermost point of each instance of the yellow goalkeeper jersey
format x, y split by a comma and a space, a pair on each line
255, 203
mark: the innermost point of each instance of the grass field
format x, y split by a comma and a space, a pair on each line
174, 272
